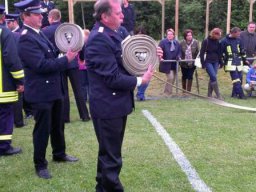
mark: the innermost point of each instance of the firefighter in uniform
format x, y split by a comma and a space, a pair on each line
43, 87
234, 57
11, 82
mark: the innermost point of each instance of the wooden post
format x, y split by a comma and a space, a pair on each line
71, 11
228, 17
208, 2
251, 9
6, 6
163, 17
177, 19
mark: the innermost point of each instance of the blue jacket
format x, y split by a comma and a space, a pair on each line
43, 69
111, 86
165, 44
251, 75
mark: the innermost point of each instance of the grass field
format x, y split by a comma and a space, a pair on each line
219, 142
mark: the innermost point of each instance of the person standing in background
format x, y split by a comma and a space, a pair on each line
234, 57
211, 47
189, 50
140, 95
72, 72
129, 16
171, 51
11, 83
83, 68
47, 6
248, 39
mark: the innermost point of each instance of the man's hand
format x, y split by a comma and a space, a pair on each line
71, 55
148, 75
20, 88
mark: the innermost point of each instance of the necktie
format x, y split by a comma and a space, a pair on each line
172, 46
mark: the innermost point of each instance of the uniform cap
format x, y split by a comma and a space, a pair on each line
2, 9
11, 17
32, 6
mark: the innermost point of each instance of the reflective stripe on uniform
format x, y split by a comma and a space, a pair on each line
10, 96
5, 137
18, 74
236, 80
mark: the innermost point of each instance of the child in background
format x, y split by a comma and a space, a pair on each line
251, 80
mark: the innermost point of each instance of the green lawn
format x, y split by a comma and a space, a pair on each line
219, 143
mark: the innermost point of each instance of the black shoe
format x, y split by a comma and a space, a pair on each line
66, 158
11, 151
43, 173
21, 125
86, 119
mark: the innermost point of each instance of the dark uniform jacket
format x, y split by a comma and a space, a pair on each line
233, 53
43, 81
111, 86
11, 71
129, 17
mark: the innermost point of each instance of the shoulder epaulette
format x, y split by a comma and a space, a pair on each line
101, 29
24, 32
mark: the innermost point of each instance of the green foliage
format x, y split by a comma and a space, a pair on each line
149, 14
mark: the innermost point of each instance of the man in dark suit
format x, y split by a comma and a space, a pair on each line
72, 72
110, 91
47, 6
43, 86
11, 83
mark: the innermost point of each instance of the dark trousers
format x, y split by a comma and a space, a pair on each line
6, 125
187, 73
110, 134
73, 75
27, 107
18, 115
48, 122
141, 91
84, 83
237, 86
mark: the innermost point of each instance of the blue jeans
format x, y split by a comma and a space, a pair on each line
212, 70
141, 92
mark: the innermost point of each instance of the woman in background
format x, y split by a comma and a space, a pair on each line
171, 51
211, 47
189, 51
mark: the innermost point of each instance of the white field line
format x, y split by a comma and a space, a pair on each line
197, 183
